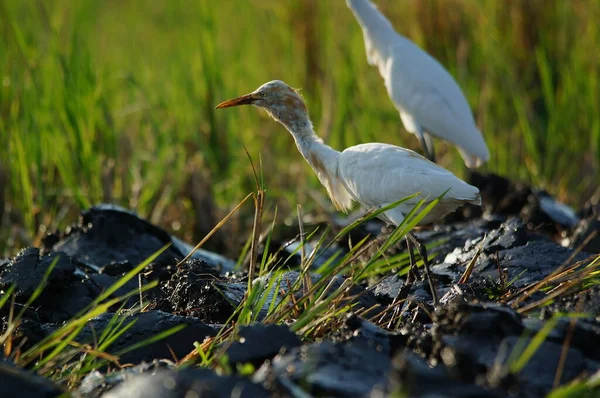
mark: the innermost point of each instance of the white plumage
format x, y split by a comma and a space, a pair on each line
427, 97
374, 175
379, 174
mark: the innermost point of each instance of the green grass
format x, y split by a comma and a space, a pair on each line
114, 100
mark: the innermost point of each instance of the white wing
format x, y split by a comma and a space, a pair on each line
423, 89
379, 174
425, 94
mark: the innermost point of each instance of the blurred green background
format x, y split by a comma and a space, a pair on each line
113, 101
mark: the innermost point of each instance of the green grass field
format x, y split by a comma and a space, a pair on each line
113, 101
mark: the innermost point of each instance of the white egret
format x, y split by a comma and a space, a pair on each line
373, 175
426, 95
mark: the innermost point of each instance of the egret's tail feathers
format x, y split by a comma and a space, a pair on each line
472, 160
476, 200
467, 193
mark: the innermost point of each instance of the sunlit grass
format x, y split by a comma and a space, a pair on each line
112, 100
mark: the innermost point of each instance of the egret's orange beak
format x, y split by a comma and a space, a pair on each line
243, 100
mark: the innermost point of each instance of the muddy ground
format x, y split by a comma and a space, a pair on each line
459, 348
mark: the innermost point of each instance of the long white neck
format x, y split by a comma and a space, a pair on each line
377, 30
321, 157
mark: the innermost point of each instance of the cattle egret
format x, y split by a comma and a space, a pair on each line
426, 95
373, 175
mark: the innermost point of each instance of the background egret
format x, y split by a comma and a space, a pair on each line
426, 95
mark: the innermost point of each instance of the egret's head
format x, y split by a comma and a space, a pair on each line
280, 101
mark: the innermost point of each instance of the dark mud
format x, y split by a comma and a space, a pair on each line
186, 383
147, 324
109, 236
16, 383
328, 369
464, 347
257, 343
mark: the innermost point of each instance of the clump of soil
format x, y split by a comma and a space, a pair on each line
460, 347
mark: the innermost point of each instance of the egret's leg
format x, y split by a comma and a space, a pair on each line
430, 148
413, 272
423, 253
424, 141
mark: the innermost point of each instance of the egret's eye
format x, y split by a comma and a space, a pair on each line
263, 94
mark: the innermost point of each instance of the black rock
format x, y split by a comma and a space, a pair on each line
472, 335
118, 269
104, 281
330, 255
585, 334
16, 383
586, 301
192, 291
413, 377
543, 213
481, 320
463, 234
186, 383
525, 256
500, 195
559, 213
530, 263
110, 236
582, 239
388, 288
441, 240
147, 325
258, 342
508, 235
535, 207
360, 331
96, 383
220, 263
60, 306
27, 333
328, 369
27, 269
540, 370
476, 341
65, 294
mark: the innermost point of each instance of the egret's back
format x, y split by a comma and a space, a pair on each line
378, 174
425, 93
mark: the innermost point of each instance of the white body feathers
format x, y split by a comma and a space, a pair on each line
425, 94
379, 174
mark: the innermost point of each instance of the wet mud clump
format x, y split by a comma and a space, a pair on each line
532, 261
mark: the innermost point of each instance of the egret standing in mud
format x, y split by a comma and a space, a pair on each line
373, 175
426, 95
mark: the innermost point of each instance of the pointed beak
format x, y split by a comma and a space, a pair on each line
243, 100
